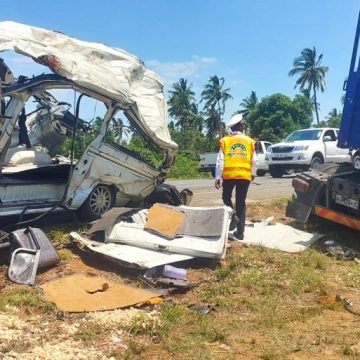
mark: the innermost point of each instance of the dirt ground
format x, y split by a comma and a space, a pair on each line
265, 305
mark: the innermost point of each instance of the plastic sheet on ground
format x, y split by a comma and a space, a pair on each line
279, 236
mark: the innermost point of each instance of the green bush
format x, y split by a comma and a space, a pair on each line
186, 166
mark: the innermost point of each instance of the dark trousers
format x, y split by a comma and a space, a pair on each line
241, 189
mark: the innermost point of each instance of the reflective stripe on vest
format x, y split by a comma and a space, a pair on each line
238, 152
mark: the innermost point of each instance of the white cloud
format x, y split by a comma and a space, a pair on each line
205, 59
172, 71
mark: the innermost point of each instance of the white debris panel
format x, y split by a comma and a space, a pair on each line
278, 236
109, 71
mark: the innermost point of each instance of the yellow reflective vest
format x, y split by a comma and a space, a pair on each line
238, 153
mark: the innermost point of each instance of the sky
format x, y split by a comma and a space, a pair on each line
250, 43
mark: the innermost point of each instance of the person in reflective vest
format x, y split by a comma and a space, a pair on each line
235, 166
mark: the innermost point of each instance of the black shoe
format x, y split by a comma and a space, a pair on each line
233, 223
238, 236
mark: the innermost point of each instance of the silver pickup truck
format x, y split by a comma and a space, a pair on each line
207, 161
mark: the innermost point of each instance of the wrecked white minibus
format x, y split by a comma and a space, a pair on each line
33, 178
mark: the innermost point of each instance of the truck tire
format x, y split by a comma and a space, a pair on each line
356, 161
101, 199
213, 172
289, 172
276, 172
316, 160
260, 172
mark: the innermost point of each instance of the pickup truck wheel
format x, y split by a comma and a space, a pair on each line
260, 172
356, 161
101, 199
289, 172
316, 161
213, 172
276, 172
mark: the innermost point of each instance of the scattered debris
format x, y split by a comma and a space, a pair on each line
164, 221
31, 250
173, 272
278, 236
340, 252
194, 239
202, 309
80, 293
129, 256
348, 305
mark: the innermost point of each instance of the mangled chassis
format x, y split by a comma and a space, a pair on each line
101, 162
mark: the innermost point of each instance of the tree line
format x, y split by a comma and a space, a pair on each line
197, 126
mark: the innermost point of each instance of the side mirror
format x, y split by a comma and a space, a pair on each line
327, 138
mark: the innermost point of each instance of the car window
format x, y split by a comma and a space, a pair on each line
331, 134
258, 148
304, 135
267, 144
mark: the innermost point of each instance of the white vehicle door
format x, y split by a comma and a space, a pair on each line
330, 144
260, 154
342, 154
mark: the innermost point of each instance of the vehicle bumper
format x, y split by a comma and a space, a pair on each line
294, 158
337, 217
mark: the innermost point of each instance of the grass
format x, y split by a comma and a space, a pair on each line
269, 305
25, 298
89, 332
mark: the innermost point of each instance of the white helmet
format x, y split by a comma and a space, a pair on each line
235, 119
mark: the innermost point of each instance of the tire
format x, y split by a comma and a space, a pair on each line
260, 172
101, 199
276, 172
356, 161
213, 172
316, 161
289, 172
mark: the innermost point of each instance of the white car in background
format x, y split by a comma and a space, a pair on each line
207, 161
305, 149
261, 149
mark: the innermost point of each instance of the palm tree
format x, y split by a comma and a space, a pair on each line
215, 97
119, 129
311, 74
180, 103
248, 104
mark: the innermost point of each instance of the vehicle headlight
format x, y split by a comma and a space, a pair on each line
301, 147
269, 149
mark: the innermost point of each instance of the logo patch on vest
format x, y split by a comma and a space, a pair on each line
238, 145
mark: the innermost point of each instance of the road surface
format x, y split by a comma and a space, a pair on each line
262, 188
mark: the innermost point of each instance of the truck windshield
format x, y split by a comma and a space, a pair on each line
304, 135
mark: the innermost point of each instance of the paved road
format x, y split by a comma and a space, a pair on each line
260, 189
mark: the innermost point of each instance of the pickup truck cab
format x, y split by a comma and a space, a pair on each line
305, 149
207, 160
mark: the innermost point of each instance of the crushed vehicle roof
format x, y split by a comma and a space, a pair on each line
109, 71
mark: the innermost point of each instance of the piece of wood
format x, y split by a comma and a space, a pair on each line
164, 221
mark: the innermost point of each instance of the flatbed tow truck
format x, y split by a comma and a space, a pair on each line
332, 191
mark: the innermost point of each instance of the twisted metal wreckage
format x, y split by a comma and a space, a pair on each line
33, 180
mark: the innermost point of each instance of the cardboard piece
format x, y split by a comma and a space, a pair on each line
81, 293
164, 221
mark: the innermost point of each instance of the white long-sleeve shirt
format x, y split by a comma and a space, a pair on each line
220, 161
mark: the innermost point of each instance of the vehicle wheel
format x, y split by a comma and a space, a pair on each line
356, 161
316, 161
101, 199
260, 172
276, 172
212, 172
